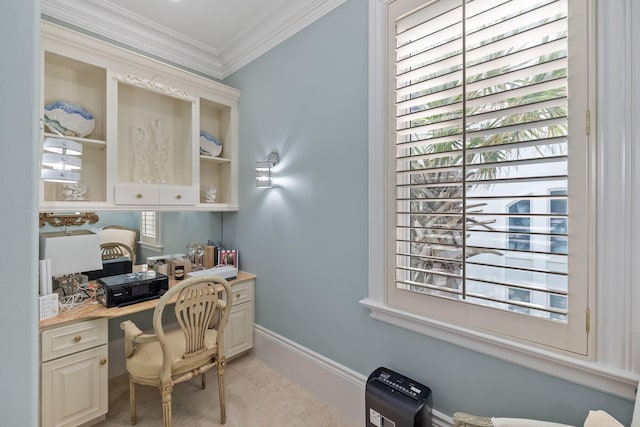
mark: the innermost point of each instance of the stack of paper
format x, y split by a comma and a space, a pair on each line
224, 271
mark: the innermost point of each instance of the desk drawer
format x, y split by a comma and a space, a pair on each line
136, 195
242, 292
69, 339
178, 195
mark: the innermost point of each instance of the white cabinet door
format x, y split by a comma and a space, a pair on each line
238, 335
75, 388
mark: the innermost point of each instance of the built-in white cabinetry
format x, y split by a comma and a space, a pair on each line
74, 373
145, 148
238, 335
74, 352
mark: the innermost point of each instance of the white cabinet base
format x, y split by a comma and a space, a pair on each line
74, 388
238, 335
74, 373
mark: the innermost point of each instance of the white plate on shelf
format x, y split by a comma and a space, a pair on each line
209, 145
69, 119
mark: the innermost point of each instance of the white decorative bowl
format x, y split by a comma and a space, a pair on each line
209, 145
68, 119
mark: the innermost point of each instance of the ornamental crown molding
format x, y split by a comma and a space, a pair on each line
151, 84
108, 21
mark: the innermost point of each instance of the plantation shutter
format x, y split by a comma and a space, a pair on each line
482, 156
149, 227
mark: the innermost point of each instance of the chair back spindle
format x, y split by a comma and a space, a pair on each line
194, 308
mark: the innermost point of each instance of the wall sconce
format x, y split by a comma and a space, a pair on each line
263, 170
60, 161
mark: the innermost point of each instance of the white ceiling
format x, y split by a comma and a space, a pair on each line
212, 37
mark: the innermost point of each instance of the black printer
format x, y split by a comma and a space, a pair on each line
131, 288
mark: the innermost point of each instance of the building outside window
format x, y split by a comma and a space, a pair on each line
519, 295
558, 224
520, 226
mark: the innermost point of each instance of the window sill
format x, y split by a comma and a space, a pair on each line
149, 246
591, 374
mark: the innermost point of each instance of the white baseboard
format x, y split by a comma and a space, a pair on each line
334, 383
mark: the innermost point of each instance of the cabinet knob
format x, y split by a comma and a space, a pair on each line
138, 196
179, 196
238, 295
77, 338
103, 362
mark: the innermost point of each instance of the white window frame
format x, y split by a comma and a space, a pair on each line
152, 243
572, 335
618, 242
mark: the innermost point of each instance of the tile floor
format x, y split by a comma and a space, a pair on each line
257, 396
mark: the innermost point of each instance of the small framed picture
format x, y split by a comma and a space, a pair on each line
228, 257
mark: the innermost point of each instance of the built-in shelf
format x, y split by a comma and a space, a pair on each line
144, 151
96, 143
214, 159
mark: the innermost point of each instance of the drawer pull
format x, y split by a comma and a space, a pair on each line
138, 196
238, 295
77, 338
179, 196
103, 362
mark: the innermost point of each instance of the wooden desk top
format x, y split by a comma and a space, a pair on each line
94, 309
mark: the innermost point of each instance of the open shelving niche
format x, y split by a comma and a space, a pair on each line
80, 83
125, 92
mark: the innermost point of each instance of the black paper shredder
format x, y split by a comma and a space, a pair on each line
393, 400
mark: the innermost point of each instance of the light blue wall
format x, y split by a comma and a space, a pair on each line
180, 228
177, 229
307, 240
20, 89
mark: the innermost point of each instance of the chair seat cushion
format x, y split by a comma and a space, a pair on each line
146, 363
601, 419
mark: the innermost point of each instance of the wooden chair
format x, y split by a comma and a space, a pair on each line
168, 357
113, 250
120, 234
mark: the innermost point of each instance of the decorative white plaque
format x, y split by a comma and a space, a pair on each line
48, 305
